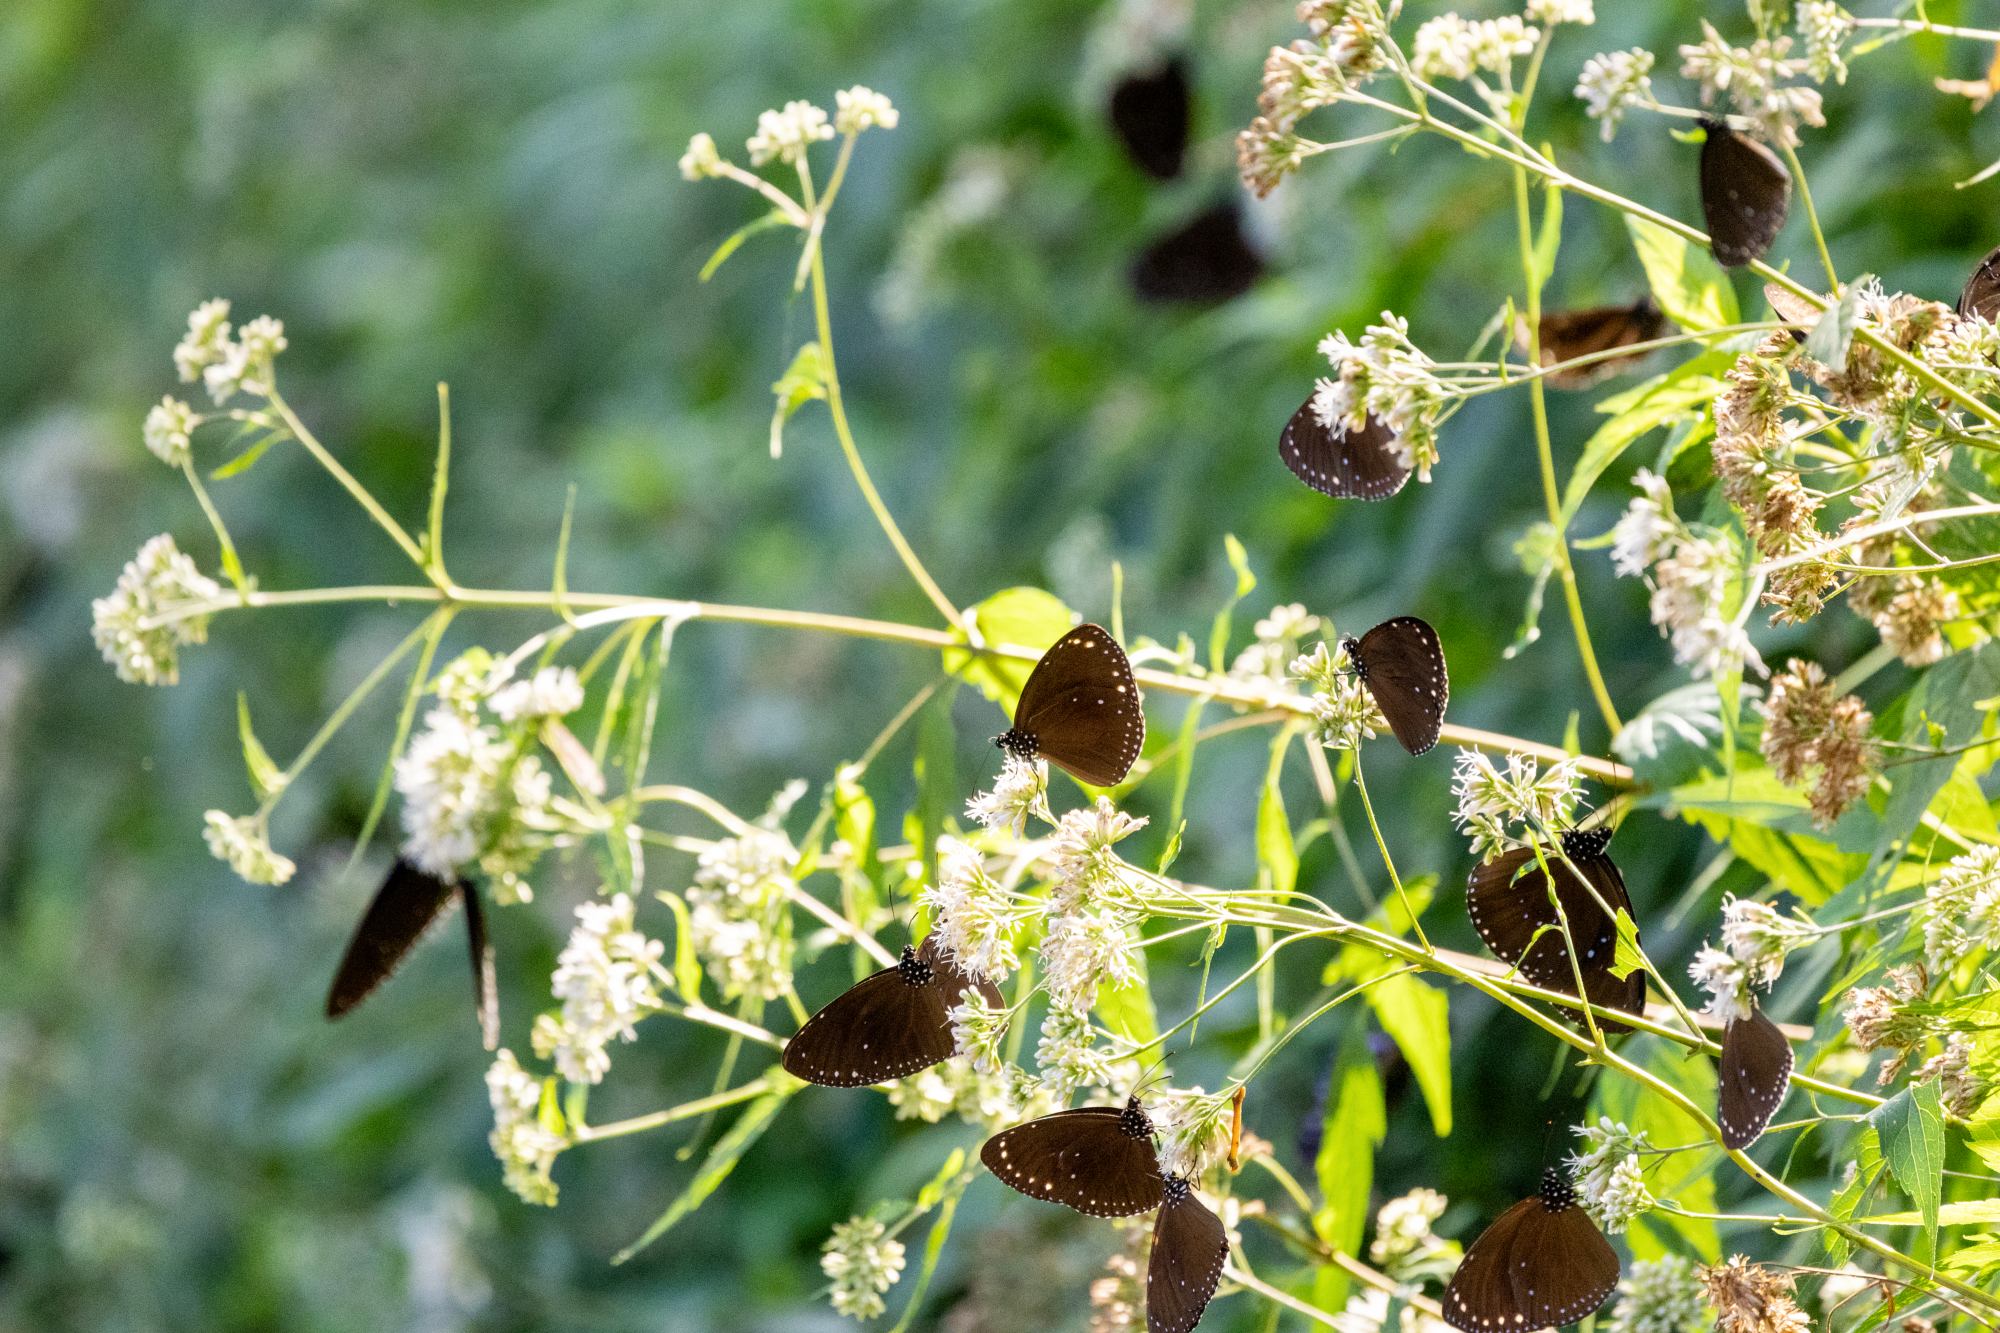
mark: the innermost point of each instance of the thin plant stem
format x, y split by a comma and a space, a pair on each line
701, 1106
1812, 215
1361, 785
353, 487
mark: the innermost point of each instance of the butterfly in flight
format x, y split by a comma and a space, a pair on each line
1402, 664
1204, 261
1754, 1076
1100, 1160
410, 899
1346, 464
1150, 111
1566, 335
888, 1025
1981, 295
1508, 901
1745, 194
1080, 710
1542, 1264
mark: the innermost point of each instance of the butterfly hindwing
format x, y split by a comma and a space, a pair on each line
1090, 1159
1751, 1082
1508, 901
1981, 295
409, 901
1150, 112
1403, 665
1567, 335
886, 1026
1745, 194
1542, 1264
1346, 464
1189, 1249
1081, 710
1204, 261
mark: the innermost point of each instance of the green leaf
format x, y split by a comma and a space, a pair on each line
687, 967
246, 460
1277, 854
1021, 617
1911, 1126
1417, 1016
1846, 1202
948, 1196
1688, 285
803, 381
1128, 1010
1688, 1177
1219, 631
265, 776
1831, 337
1681, 394
1356, 1121
735, 239
1974, 1212
1626, 958
721, 1160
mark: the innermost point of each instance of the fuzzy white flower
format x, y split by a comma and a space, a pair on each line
1552, 12
1403, 1235
1756, 935
550, 692
156, 580
1388, 377
1194, 1129
976, 917
1020, 790
927, 1096
742, 891
1727, 982
701, 160
1612, 83
1607, 1174
527, 1149
168, 429
1344, 711
1068, 1054
863, 1261
244, 365
1648, 529
1492, 804
1961, 909
1278, 636
1081, 849
205, 342
1825, 26
1661, 1296
859, 108
1449, 47
1753, 80
244, 846
451, 777
1693, 586
1084, 948
785, 135
604, 978
977, 1029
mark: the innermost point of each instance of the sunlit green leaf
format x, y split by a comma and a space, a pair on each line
1687, 283
1022, 617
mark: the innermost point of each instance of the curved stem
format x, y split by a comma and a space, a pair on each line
1361, 785
1812, 216
347, 480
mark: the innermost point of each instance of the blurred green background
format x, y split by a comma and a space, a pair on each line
485, 193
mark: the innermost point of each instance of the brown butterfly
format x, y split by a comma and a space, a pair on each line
409, 901
1745, 194
1542, 1264
1569, 334
1981, 296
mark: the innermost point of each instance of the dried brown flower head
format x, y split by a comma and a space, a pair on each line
1809, 732
1749, 1298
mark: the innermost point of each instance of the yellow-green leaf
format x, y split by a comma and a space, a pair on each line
1021, 617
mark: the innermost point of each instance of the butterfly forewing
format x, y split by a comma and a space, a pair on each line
1745, 194
1508, 901
1189, 1248
1204, 261
485, 991
1755, 1074
886, 1026
1080, 708
1150, 114
1087, 1159
1981, 296
1542, 1264
1403, 664
409, 900
1567, 335
1346, 464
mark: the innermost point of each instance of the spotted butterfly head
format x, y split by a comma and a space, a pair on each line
1134, 1120
1586, 844
1178, 1188
913, 970
1557, 1192
1352, 647
1020, 744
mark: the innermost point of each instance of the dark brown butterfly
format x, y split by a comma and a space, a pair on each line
1080, 709
1542, 1264
885, 1026
1566, 335
1745, 194
406, 905
1346, 464
1508, 901
1189, 1249
1981, 296
1204, 261
1150, 113
1402, 665
1755, 1075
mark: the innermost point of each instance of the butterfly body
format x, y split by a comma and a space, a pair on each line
1190, 1246
1508, 901
1345, 464
1541, 1264
410, 901
1402, 664
1080, 710
1752, 1078
886, 1026
1745, 194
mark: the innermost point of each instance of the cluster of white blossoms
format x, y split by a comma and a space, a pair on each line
527, 1148
244, 844
1700, 598
169, 431
1610, 1180
1961, 911
228, 362
1194, 1129
1661, 1296
1404, 1243
1278, 637
738, 913
863, 1261
977, 918
1022, 789
1367, 1311
1755, 940
1387, 377
1344, 712
154, 582
1614, 82
550, 692
1450, 47
1499, 809
1754, 81
1551, 12
787, 133
988, 1098
604, 979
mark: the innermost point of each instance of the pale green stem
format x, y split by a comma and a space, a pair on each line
231, 565
1812, 216
701, 1106
347, 480
1409, 909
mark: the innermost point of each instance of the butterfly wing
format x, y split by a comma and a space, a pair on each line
880, 1028
1508, 901
409, 900
1082, 707
1082, 1159
1745, 194
1794, 309
1150, 113
485, 992
954, 979
1566, 335
1407, 677
1189, 1248
1348, 465
1755, 1075
1204, 261
1535, 1267
1981, 296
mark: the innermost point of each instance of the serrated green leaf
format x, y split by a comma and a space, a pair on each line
1022, 617
715, 1168
1687, 284
1911, 1127
1626, 958
803, 381
265, 776
1417, 1017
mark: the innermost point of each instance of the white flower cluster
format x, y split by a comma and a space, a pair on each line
1612, 83
550, 692
1344, 712
863, 1261
859, 108
1825, 27
1609, 1179
1552, 12
738, 913
976, 917
1961, 910
702, 158
1278, 636
1699, 599
169, 431
1661, 1296
1499, 809
1648, 529
1404, 1241
1067, 1052
784, 135
228, 365
1022, 789
1087, 942
1450, 47
1755, 940
1194, 1129
1367, 1311
244, 845
527, 1148
1752, 79
604, 978
986, 1097
1384, 376
156, 580
977, 1029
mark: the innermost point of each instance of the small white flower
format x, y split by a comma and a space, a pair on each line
1490, 802
526, 1148
1759, 938
1068, 1054
1085, 863
1194, 1130
1278, 636
976, 917
742, 892
1553, 12
1084, 948
1388, 377
1344, 710
1961, 909
1450, 47
1607, 1174
204, 343
1692, 589
1727, 982
1825, 27
1403, 1235
1020, 790
156, 580
245, 847
1648, 529
1612, 83
168, 428
977, 1029
863, 1261
701, 160
245, 365
1752, 79
859, 108
451, 777
604, 978
785, 135
1661, 1296
550, 692
927, 1096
